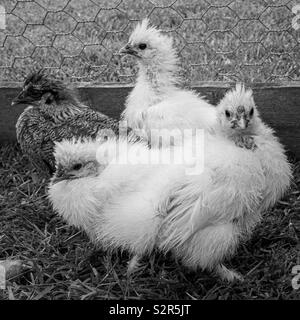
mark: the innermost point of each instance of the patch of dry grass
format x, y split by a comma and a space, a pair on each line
67, 266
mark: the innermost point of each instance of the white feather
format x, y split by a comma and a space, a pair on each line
140, 207
208, 215
157, 102
269, 151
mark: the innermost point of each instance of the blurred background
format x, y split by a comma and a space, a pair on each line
218, 40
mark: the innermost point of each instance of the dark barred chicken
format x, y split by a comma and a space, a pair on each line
54, 113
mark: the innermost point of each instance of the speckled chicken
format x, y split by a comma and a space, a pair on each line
54, 113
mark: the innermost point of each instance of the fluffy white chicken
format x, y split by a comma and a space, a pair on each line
111, 190
240, 121
157, 101
200, 218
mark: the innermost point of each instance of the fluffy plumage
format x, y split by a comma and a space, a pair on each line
209, 215
200, 218
55, 113
157, 102
117, 201
254, 134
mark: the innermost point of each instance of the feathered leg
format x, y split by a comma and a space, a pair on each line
228, 275
209, 247
133, 265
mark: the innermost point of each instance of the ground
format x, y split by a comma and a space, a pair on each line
68, 266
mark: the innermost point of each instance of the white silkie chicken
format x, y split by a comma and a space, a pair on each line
139, 207
94, 181
157, 101
239, 120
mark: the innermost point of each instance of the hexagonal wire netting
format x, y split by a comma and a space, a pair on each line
218, 40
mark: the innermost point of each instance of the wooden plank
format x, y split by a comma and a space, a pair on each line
279, 106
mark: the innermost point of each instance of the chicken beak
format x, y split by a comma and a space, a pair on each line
20, 98
128, 49
57, 179
62, 175
58, 176
242, 124
16, 101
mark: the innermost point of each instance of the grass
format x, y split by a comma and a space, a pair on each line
68, 266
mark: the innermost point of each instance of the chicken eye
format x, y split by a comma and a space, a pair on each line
227, 113
142, 46
251, 112
77, 166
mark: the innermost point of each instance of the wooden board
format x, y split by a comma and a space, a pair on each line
279, 106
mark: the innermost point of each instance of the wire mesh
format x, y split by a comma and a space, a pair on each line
218, 40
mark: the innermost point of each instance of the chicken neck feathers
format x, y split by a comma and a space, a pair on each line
38, 127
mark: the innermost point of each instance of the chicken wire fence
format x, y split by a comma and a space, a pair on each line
218, 40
